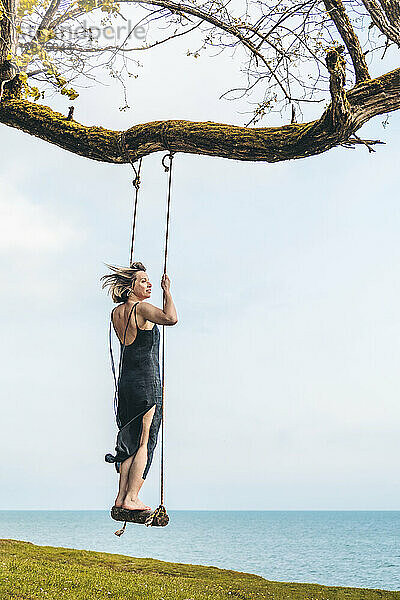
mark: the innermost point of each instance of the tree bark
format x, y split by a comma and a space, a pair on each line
8, 39
339, 16
388, 23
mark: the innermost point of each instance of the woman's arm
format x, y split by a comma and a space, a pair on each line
168, 315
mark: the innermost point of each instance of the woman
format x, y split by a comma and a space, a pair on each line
139, 399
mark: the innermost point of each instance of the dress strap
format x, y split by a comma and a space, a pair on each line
137, 326
127, 323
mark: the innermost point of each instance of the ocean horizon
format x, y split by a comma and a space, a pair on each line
341, 548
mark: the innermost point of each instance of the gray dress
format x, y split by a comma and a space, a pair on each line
138, 389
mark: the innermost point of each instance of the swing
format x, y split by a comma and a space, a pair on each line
159, 517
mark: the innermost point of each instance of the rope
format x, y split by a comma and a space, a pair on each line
159, 516
136, 184
162, 475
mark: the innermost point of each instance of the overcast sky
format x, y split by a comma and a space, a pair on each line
282, 373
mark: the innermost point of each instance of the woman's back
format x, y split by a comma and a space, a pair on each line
139, 355
119, 318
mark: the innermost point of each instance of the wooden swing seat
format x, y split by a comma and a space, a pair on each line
160, 517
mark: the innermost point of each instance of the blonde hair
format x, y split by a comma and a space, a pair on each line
121, 282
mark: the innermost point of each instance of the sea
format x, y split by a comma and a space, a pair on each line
340, 548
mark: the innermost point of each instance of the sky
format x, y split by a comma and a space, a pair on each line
282, 372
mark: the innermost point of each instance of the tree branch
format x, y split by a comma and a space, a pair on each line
340, 108
339, 16
381, 21
179, 8
345, 115
392, 11
356, 140
48, 16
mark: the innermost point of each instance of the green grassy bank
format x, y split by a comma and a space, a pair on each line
31, 572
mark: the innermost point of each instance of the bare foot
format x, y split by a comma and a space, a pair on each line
134, 505
119, 501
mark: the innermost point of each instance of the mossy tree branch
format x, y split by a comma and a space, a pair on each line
346, 113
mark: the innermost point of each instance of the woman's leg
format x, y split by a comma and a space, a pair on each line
137, 467
123, 480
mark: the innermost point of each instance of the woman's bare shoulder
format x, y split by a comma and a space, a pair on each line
144, 307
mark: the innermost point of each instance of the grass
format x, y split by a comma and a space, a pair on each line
30, 572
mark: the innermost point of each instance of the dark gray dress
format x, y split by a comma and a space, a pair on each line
138, 389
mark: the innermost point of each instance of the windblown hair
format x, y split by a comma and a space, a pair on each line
121, 282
